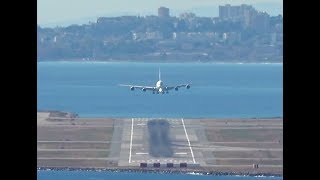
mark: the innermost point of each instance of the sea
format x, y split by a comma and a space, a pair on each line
91, 89
218, 90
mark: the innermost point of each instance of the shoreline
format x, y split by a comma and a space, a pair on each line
162, 62
77, 116
162, 171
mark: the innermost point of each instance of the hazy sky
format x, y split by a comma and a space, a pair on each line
55, 12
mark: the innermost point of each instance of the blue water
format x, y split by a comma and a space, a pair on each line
217, 90
85, 175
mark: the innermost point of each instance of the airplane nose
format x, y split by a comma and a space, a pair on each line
160, 89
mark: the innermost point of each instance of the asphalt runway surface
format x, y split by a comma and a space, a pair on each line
159, 138
146, 140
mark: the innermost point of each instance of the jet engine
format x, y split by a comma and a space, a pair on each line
144, 89
188, 86
132, 88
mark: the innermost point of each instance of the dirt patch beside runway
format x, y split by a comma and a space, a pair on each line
69, 141
243, 135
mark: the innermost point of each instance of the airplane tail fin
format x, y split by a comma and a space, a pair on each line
159, 75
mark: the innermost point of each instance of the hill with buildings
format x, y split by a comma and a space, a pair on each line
238, 34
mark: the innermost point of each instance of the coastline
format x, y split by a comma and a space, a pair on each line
151, 62
163, 171
63, 114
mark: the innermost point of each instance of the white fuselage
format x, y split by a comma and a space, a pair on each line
159, 86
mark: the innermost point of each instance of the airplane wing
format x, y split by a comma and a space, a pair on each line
144, 88
178, 86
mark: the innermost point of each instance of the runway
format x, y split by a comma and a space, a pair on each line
226, 145
156, 141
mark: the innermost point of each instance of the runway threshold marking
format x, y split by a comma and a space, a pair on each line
184, 127
131, 140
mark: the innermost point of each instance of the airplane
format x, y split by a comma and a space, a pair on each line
159, 88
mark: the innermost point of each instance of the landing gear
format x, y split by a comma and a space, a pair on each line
167, 92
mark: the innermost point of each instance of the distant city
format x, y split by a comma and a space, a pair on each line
238, 34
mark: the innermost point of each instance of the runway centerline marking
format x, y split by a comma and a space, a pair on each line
131, 140
184, 127
141, 153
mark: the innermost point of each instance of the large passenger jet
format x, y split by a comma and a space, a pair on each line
159, 88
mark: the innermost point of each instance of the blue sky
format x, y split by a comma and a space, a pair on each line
66, 12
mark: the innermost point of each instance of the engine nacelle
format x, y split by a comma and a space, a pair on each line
144, 89
131, 88
188, 86
176, 88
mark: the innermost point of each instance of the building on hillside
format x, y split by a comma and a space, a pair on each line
163, 12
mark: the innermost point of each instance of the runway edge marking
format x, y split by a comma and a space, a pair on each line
131, 140
184, 127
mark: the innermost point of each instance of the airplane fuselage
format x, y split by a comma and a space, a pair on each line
159, 87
